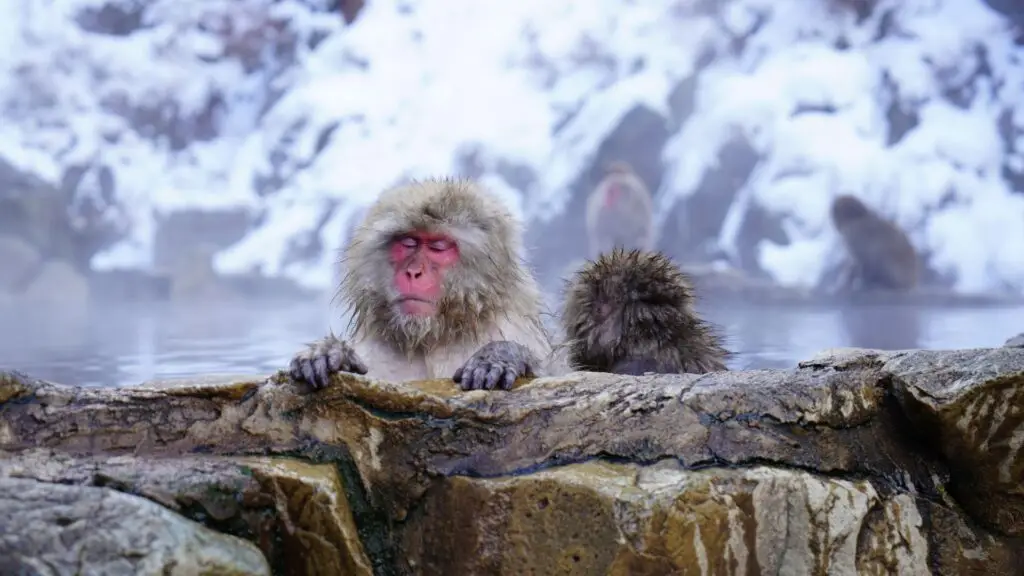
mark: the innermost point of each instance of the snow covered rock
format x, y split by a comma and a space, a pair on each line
746, 116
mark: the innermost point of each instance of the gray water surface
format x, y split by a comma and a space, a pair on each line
128, 344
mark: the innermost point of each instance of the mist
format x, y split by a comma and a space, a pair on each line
177, 180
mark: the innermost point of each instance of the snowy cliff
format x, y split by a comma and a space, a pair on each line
746, 117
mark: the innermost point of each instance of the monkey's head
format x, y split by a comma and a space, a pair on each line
623, 302
847, 208
618, 167
617, 188
433, 262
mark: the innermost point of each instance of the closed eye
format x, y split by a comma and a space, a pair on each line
440, 245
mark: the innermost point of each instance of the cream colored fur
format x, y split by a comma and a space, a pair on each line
635, 210
490, 293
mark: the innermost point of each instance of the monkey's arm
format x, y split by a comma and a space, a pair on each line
496, 365
319, 360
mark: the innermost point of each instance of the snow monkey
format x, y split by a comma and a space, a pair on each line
437, 288
881, 255
631, 312
619, 212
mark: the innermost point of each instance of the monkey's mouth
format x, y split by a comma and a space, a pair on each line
416, 306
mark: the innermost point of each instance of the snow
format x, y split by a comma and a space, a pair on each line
412, 89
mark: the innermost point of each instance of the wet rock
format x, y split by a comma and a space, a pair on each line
856, 461
181, 233
58, 529
294, 511
602, 518
349, 9
50, 218
691, 229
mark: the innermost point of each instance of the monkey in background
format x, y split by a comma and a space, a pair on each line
437, 287
881, 255
619, 212
631, 312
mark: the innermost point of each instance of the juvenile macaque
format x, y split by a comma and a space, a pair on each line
881, 255
631, 312
619, 212
436, 284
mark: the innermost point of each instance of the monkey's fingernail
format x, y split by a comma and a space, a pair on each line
308, 375
320, 365
480, 376
510, 379
493, 377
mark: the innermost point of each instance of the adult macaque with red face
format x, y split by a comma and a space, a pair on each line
619, 212
435, 280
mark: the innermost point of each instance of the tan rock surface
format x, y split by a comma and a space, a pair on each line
872, 462
296, 512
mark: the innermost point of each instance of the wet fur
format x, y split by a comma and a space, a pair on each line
881, 255
630, 312
630, 224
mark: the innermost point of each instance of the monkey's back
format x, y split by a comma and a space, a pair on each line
883, 253
630, 312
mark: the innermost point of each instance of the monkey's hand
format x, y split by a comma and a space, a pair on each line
319, 360
495, 365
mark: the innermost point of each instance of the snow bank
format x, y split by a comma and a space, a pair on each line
306, 139
817, 115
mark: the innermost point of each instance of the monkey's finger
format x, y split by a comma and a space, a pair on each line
322, 371
465, 373
356, 364
308, 374
493, 377
479, 377
510, 379
457, 377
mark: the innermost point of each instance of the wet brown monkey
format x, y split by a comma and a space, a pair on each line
881, 255
631, 312
619, 212
438, 289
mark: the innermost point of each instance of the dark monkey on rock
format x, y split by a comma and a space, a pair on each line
435, 279
631, 312
881, 255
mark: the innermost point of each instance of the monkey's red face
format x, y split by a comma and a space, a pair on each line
421, 261
611, 198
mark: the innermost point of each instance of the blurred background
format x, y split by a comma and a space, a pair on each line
177, 177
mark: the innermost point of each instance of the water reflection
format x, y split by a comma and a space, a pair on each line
882, 327
123, 345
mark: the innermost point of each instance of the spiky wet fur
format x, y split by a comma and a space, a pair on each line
489, 280
629, 309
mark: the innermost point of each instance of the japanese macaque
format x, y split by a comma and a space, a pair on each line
619, 212
881, 255
631, 312
437, 288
